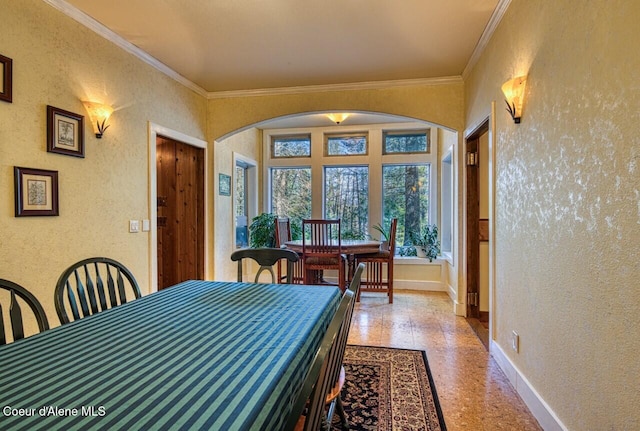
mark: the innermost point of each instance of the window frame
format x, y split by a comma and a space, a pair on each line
328, 136
296, 136
425, 131
375, 159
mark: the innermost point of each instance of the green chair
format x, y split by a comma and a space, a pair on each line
324, 376
266, 258
93, 285
15, 312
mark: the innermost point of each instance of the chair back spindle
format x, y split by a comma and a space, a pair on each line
16, 316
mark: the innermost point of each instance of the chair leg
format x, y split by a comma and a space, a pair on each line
343, 417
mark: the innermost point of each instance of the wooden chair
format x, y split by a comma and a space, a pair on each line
283, 234
323, 378
15, 312
266, 258
93, 285
321, 250
374, 280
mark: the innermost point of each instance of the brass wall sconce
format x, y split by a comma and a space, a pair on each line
514, 95
338, 118
99, 114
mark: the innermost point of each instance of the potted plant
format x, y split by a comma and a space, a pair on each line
262, 231
426, 242
384, 236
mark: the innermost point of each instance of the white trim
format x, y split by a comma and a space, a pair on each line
495, 19
154, 131
372, 85
545, 416
119, 41
252, 192
423, 286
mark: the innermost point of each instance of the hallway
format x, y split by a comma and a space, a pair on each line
474, 393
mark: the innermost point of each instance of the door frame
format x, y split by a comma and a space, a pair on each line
469, 134
154, 131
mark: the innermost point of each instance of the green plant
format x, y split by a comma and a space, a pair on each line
262, 231
427, 241
384, 235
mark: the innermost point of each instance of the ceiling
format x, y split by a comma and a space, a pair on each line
245, 45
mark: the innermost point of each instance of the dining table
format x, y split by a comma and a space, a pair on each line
201, 355
349, 247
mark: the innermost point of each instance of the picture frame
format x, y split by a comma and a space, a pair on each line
36, 192
6, 79
65, 132
224, 186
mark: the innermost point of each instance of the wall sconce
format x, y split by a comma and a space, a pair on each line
514, 95
99, 114
338, 118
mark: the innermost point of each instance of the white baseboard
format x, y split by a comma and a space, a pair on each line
425, 286
538, 407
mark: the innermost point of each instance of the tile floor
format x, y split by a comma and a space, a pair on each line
474, 393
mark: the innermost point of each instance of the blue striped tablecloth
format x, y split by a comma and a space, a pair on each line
199, 355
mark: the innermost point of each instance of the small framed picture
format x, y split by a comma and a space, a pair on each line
36, 192
224, 187
65, 132
6, 76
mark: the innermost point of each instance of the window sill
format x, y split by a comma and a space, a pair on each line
417, 261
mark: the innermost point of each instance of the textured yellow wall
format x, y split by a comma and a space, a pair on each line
568, 218
248, 144
59, 62
440, 104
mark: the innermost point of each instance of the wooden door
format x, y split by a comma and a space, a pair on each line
180, 183
473, 228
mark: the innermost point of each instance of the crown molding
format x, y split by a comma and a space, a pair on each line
495, 19
372, 85
103, 31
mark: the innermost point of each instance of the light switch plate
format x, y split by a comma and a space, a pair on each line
134, 226
145, 225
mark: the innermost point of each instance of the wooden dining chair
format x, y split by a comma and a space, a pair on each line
374, 280
283, 234
93, 285
310, 410
15, 311
266, 258
322, 250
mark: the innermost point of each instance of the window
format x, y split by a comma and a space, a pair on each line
446, 197
346, 196
245, 196
406, 142
241, 205
346, 145
405, 195
291, 146
291, 194
363, 175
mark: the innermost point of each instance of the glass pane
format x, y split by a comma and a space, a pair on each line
346, 145
291, 196
291, 146
346, 196
405, 194
241, 206
407, 142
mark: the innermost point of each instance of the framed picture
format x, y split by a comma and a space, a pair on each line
36, 192
224, 187
65, 132
6, 75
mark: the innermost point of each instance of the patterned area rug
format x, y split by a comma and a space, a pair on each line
389, 389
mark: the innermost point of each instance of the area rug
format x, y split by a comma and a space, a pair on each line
389, 389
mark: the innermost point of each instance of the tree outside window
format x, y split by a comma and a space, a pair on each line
346, 196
